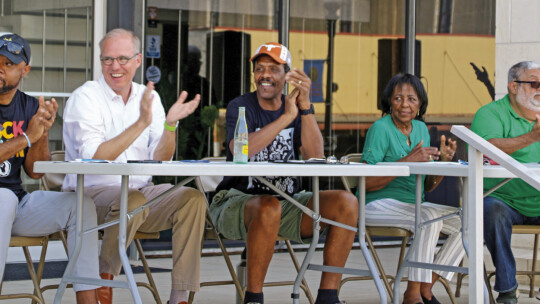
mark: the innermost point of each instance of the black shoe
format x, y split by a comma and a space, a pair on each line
510, 297
432, 301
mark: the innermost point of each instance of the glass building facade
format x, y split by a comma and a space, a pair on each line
204, 46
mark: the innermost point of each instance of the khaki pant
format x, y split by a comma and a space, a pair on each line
183, 210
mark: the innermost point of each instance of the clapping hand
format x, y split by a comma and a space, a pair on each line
447, 149
535, 132
422, 154
48, 111
181, 109
302, 83
290, 103
146, 104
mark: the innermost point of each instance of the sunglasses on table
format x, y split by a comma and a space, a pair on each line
121, 59
534, 84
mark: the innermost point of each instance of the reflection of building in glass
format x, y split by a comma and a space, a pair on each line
196, 144
452, 33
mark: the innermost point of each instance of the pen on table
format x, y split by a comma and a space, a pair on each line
93, 160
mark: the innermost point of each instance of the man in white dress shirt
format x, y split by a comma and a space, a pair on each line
114, 118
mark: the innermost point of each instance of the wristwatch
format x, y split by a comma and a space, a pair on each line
311, 110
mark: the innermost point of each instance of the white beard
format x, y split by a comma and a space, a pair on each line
529, 103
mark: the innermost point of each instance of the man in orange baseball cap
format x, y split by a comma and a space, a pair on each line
276, 51
281, 127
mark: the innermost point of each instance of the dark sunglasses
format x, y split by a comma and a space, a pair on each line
12, 47
534, 84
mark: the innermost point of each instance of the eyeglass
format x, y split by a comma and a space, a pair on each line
12, 47
534, 84
121, 59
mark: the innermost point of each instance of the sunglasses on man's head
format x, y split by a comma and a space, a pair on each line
534, 84
12, 47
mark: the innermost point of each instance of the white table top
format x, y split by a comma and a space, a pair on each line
219, 169
457, 169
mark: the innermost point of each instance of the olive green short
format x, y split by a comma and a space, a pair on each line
227, 213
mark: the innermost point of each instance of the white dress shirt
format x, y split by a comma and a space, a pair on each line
95, 114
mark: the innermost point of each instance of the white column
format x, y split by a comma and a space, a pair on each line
475, 225
100, 28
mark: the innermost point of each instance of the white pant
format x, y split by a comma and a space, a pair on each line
393, 213
45, 212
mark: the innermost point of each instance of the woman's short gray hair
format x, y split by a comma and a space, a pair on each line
121, 32
517, 69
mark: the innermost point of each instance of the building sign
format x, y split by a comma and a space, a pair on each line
314, 68
153, 73
153, 46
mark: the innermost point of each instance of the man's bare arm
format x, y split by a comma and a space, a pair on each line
511, 145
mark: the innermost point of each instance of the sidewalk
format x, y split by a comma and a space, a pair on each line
281, 268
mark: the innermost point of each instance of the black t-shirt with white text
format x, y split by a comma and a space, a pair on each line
286, 143
14, 119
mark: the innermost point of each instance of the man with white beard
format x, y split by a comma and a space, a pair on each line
512, 124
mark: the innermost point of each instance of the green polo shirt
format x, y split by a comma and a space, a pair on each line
385, 143
498, 120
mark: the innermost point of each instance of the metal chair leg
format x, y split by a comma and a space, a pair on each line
41, 266
532, 277
458, 281
152, 285
33, 276
380, 267
448, 289
307, 291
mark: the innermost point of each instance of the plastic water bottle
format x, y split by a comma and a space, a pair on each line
240, 155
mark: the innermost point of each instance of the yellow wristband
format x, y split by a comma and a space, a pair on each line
169, 128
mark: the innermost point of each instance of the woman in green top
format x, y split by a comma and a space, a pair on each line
401, 135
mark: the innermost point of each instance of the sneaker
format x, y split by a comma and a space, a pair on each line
510, 297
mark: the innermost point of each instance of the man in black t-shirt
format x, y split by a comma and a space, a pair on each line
24, 127
280, 127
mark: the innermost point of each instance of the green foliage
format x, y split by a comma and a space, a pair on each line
193, 131
209, 114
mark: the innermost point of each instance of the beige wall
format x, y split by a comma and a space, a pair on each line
516, 37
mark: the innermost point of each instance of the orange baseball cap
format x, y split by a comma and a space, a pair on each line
278, 52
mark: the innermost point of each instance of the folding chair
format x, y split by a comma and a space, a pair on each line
53, 181
25, 242
371, 231
532, 273
208, 184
